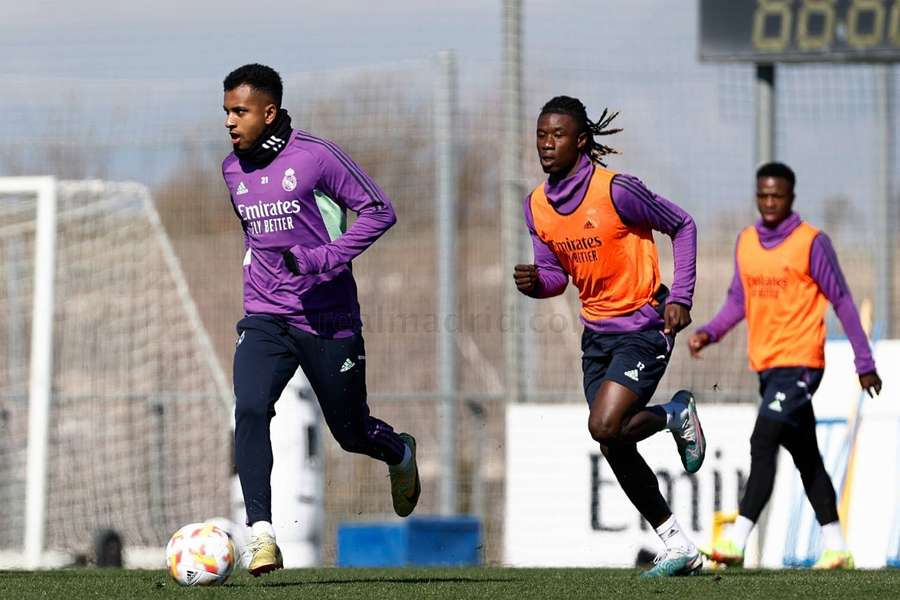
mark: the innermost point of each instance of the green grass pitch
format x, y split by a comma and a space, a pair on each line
486, 582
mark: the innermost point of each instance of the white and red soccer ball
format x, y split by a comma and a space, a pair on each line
200, 554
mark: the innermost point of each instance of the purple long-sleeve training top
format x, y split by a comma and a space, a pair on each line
825, 271
637, 207
299, 203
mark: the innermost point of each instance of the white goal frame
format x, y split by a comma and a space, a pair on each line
41, 361
45, 190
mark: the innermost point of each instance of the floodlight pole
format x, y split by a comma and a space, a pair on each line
445, 213
511, 219
765, 113
765, 152
884, 232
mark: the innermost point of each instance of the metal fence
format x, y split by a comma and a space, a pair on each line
688, 134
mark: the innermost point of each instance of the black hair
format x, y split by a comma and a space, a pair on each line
565, 105
777, 169
259, 77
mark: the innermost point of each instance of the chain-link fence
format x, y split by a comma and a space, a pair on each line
688, 134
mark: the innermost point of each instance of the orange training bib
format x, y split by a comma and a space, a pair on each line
615, 267
784, 306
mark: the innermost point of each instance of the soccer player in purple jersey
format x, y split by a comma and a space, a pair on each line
595, 226
291, 191
785, 273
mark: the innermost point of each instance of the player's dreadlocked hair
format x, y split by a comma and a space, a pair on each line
565, 105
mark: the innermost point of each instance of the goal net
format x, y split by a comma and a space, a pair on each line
113, 409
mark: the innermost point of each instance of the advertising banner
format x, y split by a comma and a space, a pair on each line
564, 506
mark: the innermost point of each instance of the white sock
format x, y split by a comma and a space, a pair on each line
403, 464
674, 415
833, 537
262, 527
740, 531
671, 535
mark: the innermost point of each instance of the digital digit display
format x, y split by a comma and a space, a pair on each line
766, 31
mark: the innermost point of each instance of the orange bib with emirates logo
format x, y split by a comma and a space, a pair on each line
615, 267
784, 306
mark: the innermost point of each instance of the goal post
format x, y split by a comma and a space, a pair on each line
40, 362
128, 410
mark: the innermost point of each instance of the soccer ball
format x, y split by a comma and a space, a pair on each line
200, 554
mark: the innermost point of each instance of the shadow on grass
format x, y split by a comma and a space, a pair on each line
350, 581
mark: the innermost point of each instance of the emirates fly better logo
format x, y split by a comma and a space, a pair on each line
764, 286
579, 250
268, 217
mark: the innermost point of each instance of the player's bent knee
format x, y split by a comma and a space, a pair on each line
605, 431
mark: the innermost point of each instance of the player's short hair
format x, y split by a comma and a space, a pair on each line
777, 169
259, 77
566, 105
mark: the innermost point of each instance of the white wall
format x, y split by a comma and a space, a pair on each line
564, 507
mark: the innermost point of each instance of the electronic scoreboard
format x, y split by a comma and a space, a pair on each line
770, 31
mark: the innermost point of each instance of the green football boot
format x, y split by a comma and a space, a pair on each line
405, 485
688, 434
676, 562
725, 552
835, 560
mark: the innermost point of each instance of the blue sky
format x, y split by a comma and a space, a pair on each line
688, 126
201, 38
198, 38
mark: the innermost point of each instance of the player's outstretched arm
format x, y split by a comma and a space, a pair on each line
697, 342
638, 207
826, 272
675, 318
731, 313
526, 278
545, 277
871, 383
347, 185
541, 280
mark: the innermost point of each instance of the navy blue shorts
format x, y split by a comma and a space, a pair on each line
783, 390
268, 353
637, 360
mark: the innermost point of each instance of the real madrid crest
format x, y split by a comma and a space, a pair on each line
289, 183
